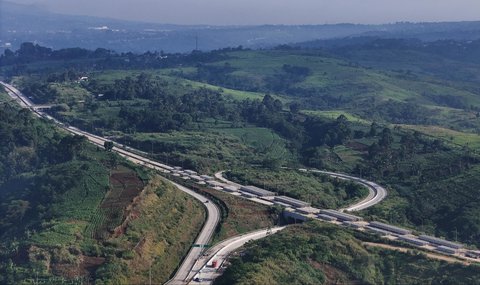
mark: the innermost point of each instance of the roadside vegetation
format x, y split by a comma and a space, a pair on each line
243, 216
317, 253
320, 190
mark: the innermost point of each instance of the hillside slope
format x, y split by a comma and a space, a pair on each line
316, 253
71, 211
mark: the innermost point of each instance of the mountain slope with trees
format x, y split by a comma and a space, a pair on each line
72, 212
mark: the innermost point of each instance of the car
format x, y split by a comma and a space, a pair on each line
206, 201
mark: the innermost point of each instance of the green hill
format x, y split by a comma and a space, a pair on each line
71, 212
412, 130
316, 253
200, 111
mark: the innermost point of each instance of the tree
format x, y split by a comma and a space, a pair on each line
113, 160
70, 146
373, 129
387, 138
108, 145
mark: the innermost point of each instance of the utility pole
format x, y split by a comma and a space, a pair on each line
196, 43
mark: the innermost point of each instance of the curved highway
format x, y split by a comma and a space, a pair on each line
204, 272
213, 213
376, 192
195, 262
219, 176
203, 238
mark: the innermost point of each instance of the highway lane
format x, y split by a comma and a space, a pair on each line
203, 238
213, 212
17, 95
204, 271
219, 176
376, 192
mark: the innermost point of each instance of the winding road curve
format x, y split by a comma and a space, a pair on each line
204, 270
213, 213
203, 239
376, 193
196, 262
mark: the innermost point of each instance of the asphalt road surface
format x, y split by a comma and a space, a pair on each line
376, 192
205, 273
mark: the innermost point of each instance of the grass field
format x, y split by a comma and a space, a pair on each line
229, 93
162, 226
71, 93
243, 216
259, 138
456, 137
207, 152
107, 77
3, 94
348, 155
212, 149
77, 207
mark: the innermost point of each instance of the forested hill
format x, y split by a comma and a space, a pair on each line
414, 131
66, 207
315, 253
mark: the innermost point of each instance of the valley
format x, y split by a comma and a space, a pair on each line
261, 115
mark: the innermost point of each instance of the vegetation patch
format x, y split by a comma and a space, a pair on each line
317, 253
125, 186
159, 232
72, 212
243, 216
318, 189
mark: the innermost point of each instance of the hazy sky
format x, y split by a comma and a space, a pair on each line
246, 12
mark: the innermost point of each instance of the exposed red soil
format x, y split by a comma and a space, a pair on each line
125, 188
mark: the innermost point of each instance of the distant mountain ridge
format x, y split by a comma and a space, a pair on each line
21, 23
